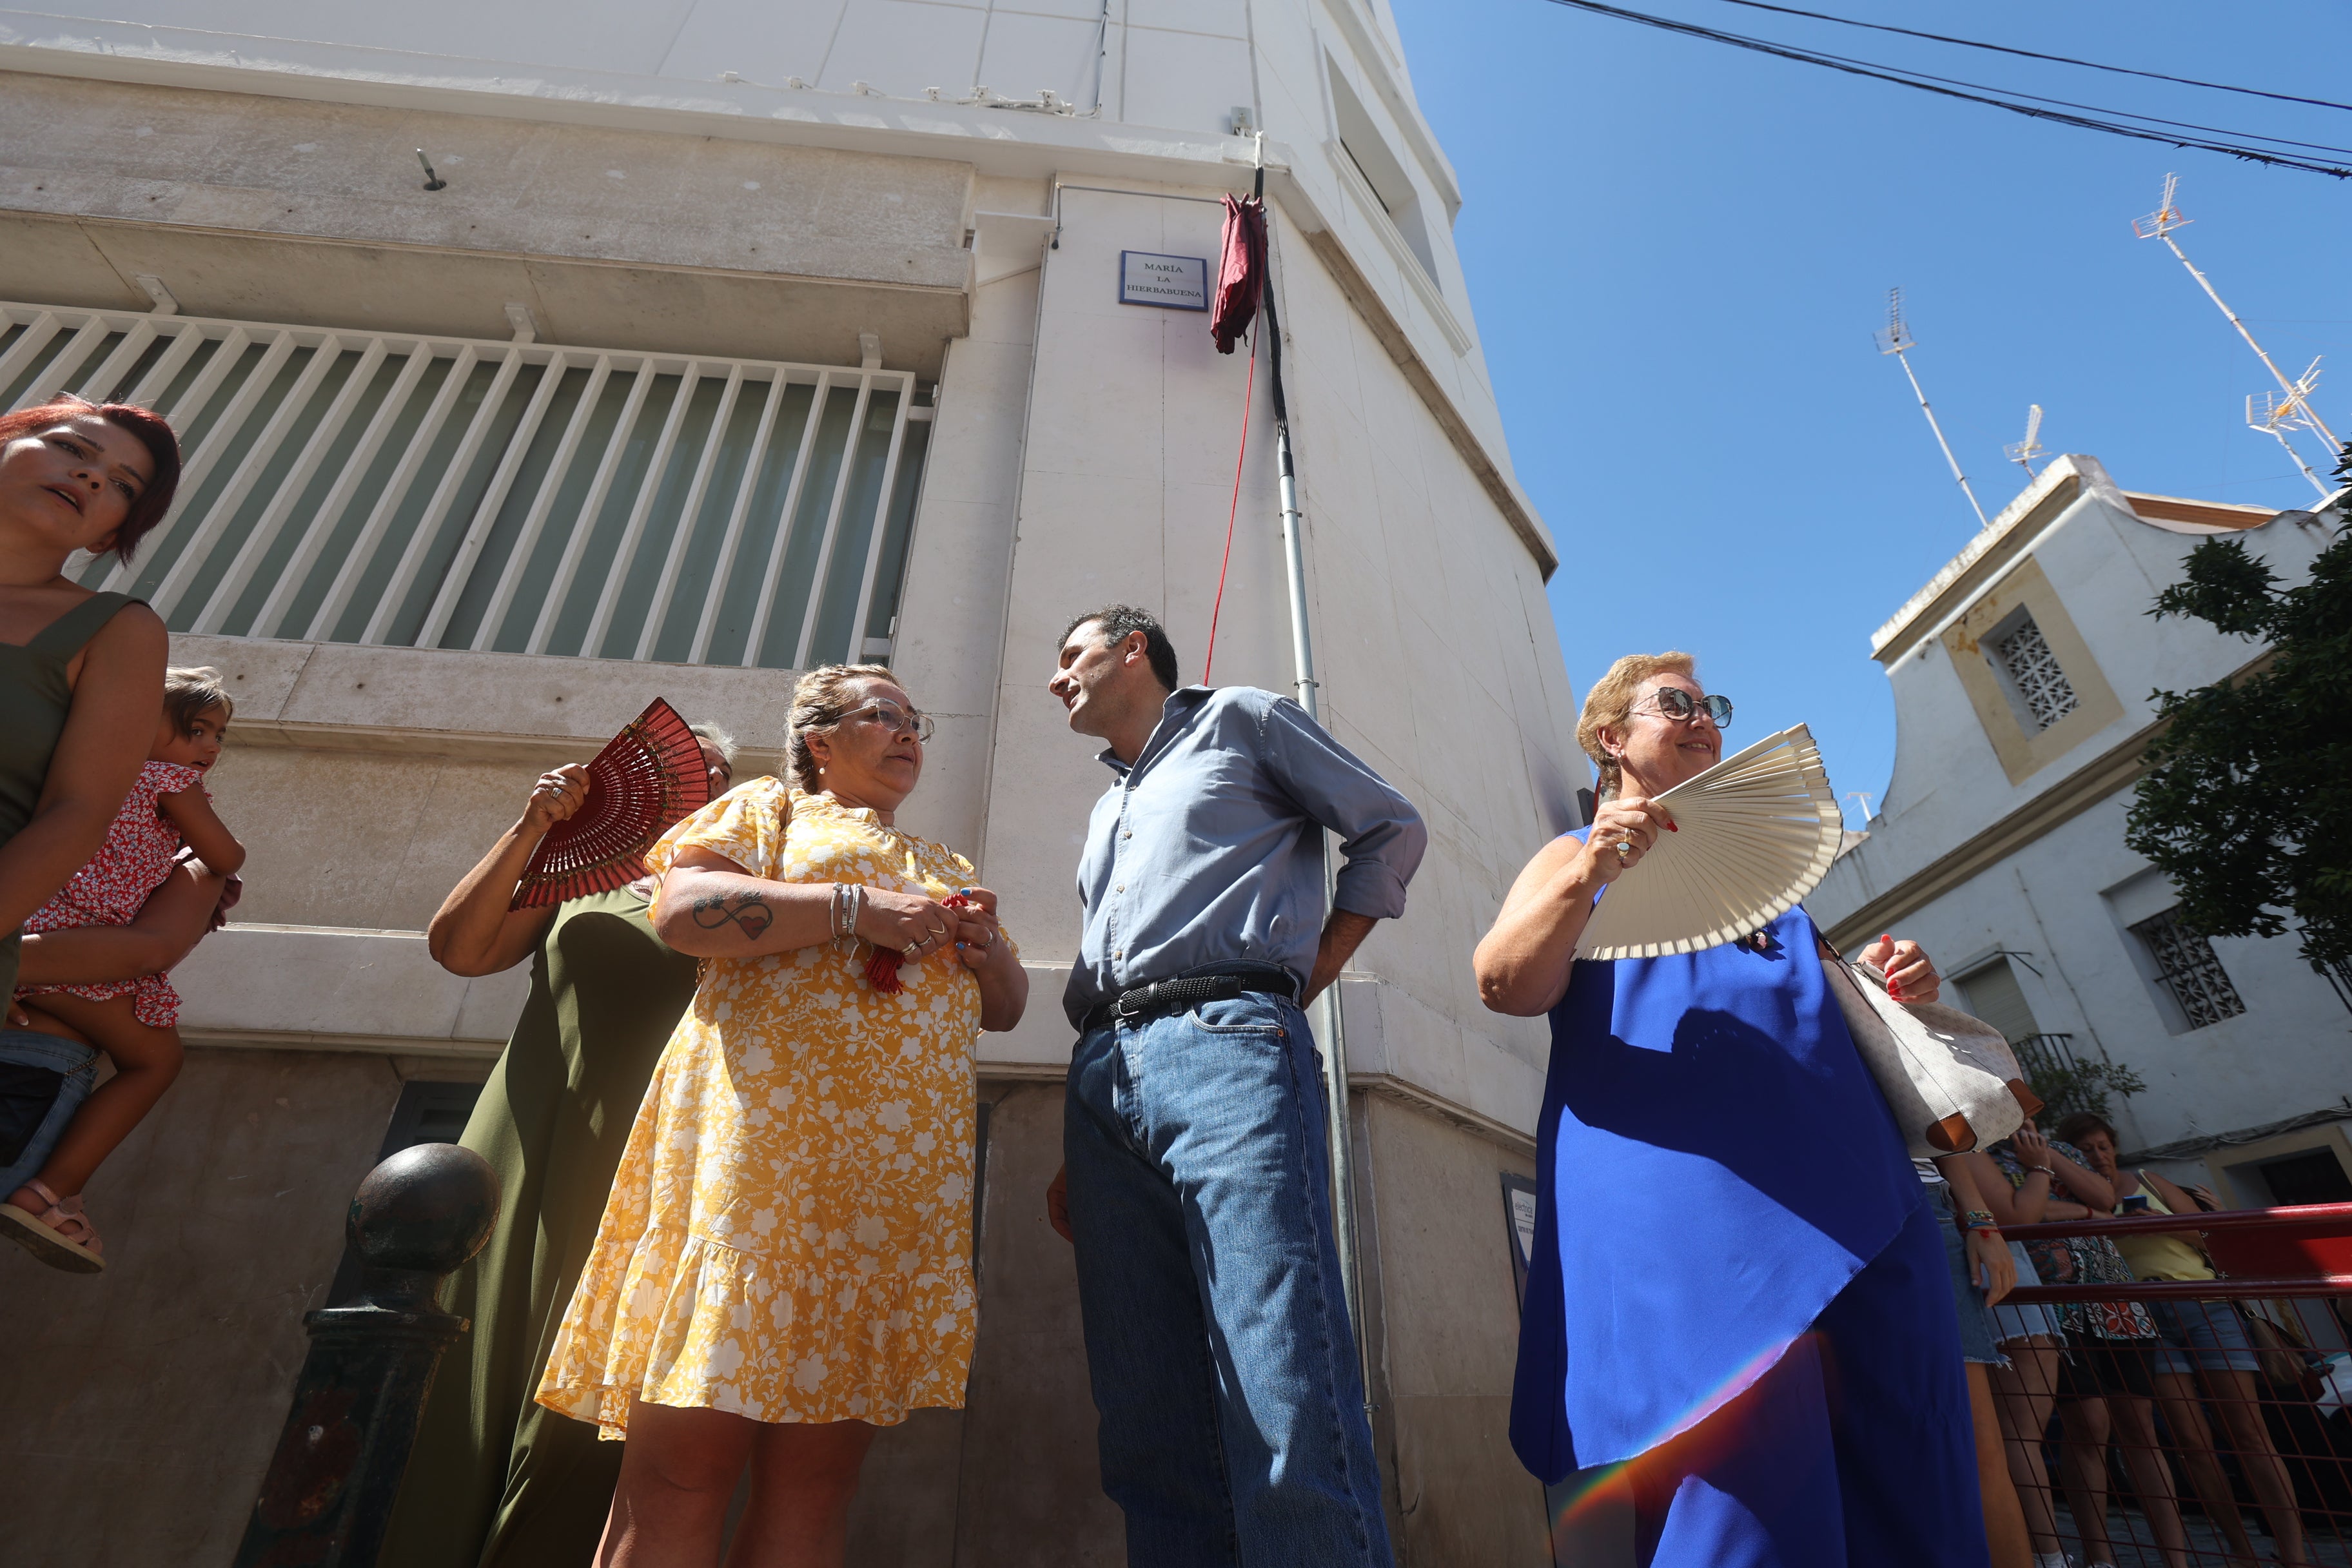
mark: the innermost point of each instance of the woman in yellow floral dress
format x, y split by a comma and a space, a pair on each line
785, 1264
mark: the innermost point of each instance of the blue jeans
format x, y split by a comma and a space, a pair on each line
2207, 1334
77, 1069
1217, 1342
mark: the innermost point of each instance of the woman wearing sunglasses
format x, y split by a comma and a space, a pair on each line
1738, 1291
785, 1264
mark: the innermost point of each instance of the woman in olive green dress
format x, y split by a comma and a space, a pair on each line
81, 683
495, 1479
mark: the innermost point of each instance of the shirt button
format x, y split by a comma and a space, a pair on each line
1120, 889
1120, 953
1127, 835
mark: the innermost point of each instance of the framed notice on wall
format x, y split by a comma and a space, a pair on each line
1519, 1219
1170, 282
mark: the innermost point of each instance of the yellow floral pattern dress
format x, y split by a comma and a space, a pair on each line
789, 1235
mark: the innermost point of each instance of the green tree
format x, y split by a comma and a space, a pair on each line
2067, 1088
2247, 804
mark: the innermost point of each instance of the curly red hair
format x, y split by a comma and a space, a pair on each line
151, 429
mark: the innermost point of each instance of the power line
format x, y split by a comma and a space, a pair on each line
2036, 55
2094, 109
1922, 83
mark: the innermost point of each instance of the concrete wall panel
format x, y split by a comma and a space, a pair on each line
1449, 1341
140, 1407
1030, 1494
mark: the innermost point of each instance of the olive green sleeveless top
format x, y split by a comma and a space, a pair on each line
34, 702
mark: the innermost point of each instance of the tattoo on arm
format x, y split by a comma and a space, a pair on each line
747, 911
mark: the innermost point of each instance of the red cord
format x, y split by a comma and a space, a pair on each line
882, 969
1249, 389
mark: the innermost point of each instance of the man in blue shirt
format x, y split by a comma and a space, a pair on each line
1196, 1180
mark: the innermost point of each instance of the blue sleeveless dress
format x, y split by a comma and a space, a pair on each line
1735, 1273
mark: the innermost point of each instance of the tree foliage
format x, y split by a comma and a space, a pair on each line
2247, 804
2067, 1088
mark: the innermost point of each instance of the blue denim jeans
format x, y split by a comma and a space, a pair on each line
77, 1066
1232, 1424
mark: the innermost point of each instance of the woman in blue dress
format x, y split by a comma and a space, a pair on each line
1738, 1294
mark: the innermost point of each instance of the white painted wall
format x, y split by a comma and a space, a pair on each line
1083, 450
2050, 900
1149, 82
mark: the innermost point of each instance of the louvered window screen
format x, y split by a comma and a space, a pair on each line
2026, 654
517, 497
2186, 961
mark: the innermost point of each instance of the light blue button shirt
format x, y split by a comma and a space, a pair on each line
1206, 850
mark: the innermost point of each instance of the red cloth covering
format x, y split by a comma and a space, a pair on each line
1241, 271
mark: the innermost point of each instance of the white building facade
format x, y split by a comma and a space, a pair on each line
723, 340
2023, 678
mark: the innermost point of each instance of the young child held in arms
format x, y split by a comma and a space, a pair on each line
132, 1021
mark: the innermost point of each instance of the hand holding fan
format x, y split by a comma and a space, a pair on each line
645, 781
1755, 834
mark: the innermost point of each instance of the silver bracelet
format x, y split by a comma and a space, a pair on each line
848, 907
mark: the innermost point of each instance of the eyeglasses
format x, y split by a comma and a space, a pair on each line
896, 719
1675, 703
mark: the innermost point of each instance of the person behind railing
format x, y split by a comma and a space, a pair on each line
2204, 1341
784, 1266
2103, 1391
495, 1479
1982, 1272
2031, 1338
1737, 1283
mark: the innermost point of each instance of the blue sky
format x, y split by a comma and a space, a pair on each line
1677, 253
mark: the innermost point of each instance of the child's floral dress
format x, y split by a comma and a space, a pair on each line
112, 888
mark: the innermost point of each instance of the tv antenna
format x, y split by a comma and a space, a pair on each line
2275, 415
1896, 339
2296, 396
2022, 453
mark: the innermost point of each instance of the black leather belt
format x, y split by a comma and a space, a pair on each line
1171, 995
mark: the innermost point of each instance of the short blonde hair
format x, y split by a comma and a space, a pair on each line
1609, 704
820, 702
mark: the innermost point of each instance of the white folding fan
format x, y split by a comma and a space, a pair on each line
1755, 834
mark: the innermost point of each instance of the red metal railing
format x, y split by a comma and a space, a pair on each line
2172, 1424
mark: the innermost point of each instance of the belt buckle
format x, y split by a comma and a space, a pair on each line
1143, 996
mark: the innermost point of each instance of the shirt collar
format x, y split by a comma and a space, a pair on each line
1181, 705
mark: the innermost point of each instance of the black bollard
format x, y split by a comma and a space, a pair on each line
330, 1486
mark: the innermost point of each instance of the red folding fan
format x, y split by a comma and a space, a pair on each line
647, 778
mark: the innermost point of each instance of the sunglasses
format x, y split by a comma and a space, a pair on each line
897, 720
1675, 703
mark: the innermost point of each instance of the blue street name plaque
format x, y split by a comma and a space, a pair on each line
1170, 282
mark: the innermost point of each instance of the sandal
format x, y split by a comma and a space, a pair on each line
60, 1236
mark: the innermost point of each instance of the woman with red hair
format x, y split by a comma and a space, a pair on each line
81, 682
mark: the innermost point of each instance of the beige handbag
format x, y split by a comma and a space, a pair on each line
1952, 1080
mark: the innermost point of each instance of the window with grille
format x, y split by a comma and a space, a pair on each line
502, 496
2185, 961
2025, 654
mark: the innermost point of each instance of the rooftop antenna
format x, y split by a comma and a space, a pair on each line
2022, 453
2159, 225
2275, 415
1896, 339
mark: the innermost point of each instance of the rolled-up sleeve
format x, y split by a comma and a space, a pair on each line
1381, 836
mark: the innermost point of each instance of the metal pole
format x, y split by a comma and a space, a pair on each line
1330, 1029
2293, 393
1904, 360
